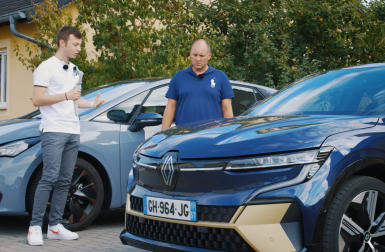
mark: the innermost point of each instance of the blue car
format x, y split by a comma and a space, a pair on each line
131, 113
302, 170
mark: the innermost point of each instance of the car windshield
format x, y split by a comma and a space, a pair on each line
354, 91
109, 92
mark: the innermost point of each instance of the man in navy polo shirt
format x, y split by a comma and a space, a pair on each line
198, 92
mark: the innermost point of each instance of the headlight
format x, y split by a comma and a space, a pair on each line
307, 172
15, 148
287, 159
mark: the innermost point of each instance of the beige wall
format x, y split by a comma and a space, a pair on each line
19, 82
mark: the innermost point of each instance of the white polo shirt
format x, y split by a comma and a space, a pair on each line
59, 117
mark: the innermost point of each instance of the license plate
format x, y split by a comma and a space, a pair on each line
169, 208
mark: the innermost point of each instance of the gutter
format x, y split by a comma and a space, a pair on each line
12, 20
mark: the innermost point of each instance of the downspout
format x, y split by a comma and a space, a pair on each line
12, 21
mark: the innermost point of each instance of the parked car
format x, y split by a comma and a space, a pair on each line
303, 170
109, 135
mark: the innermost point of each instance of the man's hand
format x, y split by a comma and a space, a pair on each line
73, 94
82, 103
97, 101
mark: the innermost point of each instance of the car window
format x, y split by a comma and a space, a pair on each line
156, 102
341, 92
243, 98
128, 107
108, 93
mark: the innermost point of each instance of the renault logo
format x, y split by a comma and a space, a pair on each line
167, 170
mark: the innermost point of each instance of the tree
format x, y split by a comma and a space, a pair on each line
268, 42
274, 42
143, 38
47, 20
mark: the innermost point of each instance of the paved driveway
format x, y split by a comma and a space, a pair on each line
101, 235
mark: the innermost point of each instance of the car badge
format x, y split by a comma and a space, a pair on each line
168, 170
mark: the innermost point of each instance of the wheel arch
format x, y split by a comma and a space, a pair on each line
103, 175
372, 167
36, 170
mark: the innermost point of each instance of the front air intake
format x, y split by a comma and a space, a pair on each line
223, 239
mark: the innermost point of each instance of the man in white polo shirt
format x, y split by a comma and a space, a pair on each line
54, 93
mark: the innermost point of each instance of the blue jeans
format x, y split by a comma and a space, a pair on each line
60, 151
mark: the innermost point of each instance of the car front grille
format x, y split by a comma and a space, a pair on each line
204, 213
187, 235
136, 203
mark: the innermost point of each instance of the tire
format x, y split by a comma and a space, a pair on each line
85, 196
356, 218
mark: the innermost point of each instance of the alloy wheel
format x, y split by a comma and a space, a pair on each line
362, 226
81, 198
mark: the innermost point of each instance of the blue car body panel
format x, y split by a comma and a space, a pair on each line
101, 140
18, 127
129, 141
242, 136
14, 178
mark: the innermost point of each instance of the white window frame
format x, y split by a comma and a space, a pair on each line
3, 79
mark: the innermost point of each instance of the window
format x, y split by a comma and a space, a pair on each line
156, 102
128, 108
3, 78
243, 98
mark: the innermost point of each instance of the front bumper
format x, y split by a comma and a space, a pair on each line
268, 227
151, 245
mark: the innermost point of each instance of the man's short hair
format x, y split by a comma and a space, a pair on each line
65, 32
199, 40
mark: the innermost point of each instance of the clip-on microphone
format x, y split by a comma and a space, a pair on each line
65, 67
200, 76
78, 85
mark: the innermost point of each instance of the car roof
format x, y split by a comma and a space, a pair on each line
374, 65
122, 83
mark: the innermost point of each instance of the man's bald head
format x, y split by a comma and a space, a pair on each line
200, 55
201, 42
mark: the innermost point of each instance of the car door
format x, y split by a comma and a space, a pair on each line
128, 141
155, 102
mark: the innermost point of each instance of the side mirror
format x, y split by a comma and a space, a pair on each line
146, 119
117, 115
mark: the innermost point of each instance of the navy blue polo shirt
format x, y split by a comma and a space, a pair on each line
199, 97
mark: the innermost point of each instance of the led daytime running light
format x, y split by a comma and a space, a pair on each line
286, 159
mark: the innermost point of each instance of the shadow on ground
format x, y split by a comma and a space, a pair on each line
11, 224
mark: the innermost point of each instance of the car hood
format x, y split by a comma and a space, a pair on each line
15, 129
250, 135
